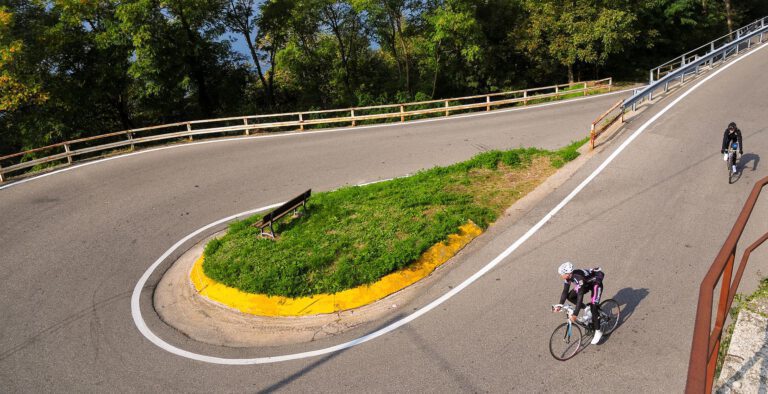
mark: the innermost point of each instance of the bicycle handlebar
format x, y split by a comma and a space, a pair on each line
568, 309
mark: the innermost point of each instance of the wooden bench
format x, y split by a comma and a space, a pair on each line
269, 219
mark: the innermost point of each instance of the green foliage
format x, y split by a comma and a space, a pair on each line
356, 235
73, 68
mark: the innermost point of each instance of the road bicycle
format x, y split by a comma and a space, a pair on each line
730, 161
568, 337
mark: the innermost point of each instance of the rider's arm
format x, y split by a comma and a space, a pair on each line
725, 142
564, 295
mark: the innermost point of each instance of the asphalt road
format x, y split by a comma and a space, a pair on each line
74, 245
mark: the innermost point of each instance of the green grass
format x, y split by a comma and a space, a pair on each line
357, 235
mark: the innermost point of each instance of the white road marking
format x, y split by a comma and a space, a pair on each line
141, 325
297, 133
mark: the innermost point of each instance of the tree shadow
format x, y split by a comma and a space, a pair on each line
730, 385
290, 379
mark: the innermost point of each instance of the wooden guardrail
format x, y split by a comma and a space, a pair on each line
298, 121
706, 339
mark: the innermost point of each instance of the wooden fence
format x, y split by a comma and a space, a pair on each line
83, 148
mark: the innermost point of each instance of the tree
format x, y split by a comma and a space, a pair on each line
16, 88
576, 31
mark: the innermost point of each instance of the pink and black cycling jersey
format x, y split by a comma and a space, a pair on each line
583, 281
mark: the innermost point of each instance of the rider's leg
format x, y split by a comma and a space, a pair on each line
597, 292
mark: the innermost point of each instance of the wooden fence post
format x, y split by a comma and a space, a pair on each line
130, 138
446, 108
301, 122
402, 113
353, 116
525, 97
247, 130
2, 178
69, 156
487, 103
189, 128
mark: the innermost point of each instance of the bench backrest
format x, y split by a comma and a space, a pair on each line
287, 207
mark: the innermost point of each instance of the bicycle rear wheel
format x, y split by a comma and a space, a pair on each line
609, 316
565, 341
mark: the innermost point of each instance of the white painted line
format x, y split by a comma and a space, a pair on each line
300, 133
136, 310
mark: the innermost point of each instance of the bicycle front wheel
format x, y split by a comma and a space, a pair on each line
565, 341
609, 316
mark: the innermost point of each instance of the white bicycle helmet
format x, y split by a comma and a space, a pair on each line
565, 268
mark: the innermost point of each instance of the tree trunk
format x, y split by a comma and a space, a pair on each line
437, 69
255, 56
197, 73
570, 73
729, 16
405, 53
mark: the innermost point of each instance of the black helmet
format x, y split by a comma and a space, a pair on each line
732, 126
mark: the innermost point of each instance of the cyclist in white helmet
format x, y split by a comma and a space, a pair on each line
583, 281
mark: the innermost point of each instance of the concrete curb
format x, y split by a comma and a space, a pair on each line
263, 305
745, 367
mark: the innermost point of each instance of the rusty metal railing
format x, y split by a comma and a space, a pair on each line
596, 128
706, 341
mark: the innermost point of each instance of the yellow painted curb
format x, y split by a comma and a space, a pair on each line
263, 305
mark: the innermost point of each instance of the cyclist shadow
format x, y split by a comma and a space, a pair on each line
628, 299
748, 158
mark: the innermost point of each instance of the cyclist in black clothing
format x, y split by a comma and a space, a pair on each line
732, 135
583, 281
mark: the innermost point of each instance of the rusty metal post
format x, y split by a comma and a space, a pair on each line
722, 313
69, 156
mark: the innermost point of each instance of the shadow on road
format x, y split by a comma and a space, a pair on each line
747, 159
628, 299
285, 383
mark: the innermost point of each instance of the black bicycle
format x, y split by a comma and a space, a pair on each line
730, 162
567, 338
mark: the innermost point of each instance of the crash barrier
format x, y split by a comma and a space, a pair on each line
706, 339
67, 152
675, 71
692, 62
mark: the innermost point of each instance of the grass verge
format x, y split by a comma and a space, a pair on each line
357, 235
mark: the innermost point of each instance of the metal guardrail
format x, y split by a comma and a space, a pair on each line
692, 61
706, 340
296, 120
